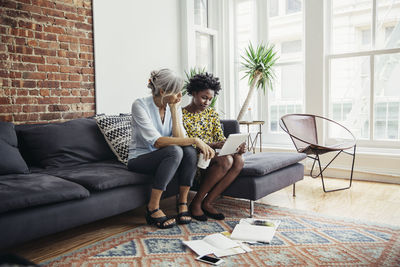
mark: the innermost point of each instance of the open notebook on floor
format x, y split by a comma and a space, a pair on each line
255, 230
216, 244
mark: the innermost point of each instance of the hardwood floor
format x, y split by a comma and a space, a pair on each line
377, 202
370, 201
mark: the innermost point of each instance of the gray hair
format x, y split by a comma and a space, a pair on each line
166, 80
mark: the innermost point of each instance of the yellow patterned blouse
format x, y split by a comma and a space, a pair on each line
204, 125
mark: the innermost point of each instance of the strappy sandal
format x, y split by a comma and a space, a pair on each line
160, 221
180, 215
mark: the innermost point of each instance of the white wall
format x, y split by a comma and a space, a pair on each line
131, 38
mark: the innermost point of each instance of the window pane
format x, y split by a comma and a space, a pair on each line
286, 31
291, 82
204, 51
351, 25
273, 8
244, 33
291, 46
349, 93
388, 24
366, 37
287, 94
293, 6
200, 13
274, 118
337, 112
387, 96
393, 130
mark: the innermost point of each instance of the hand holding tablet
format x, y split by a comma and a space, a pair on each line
232, 144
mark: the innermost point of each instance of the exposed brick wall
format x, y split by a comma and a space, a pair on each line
46, 60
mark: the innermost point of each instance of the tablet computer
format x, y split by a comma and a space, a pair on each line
232, 144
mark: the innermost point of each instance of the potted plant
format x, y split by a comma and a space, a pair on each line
258, 64
189, 74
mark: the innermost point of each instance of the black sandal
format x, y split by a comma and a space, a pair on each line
182, 214
201, 218
160, 221
215, 216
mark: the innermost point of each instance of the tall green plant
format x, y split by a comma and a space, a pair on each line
189, 74
257, 64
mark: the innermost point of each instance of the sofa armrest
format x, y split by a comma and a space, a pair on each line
230, 126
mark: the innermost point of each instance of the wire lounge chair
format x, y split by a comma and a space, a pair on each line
303, 130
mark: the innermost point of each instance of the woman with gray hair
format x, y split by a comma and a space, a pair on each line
159, 145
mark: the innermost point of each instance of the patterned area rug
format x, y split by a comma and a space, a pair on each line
302, 239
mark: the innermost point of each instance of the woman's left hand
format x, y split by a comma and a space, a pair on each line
242, 148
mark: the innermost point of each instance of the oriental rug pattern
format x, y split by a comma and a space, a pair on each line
302, 239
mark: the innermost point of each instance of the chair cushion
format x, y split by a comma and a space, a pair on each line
117, 131
64, 144
260, 164
11, 160
19, 191
100, 175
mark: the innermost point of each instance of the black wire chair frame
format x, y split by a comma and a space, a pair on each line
313, 148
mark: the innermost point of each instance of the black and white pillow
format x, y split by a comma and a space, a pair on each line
117, 131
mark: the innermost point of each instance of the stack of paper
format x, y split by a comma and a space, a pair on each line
216, 244
255, 230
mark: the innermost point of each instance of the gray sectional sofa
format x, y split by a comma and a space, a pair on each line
57, 176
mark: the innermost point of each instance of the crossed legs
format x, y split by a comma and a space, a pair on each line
218, 176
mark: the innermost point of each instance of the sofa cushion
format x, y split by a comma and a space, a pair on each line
266, 162
117, 131
11, 160
230, 126
19, 191
64, 144
100, 176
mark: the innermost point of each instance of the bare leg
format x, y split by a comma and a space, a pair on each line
218, 168
154, 203
220, 187
183, 194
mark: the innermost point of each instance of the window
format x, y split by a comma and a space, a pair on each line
200, 13
273, 8
363, 73
366, 37
204, 51
204, 37
387, 24
291, 46
288, 92
245, 32
293, 6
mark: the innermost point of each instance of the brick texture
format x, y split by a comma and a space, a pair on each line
46, 60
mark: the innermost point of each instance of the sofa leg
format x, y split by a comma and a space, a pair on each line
294, 189
251, 208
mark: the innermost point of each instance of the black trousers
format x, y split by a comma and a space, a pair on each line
165, 162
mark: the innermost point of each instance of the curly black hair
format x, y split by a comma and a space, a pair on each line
203, 81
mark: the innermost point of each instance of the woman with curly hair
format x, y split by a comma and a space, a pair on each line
202, 121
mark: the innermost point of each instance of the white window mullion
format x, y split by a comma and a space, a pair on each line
373, 25
372, 96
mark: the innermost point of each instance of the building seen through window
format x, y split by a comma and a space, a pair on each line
350, 76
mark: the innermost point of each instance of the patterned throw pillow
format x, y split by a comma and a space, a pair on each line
117, 131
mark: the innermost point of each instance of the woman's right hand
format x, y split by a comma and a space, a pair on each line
207, 151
